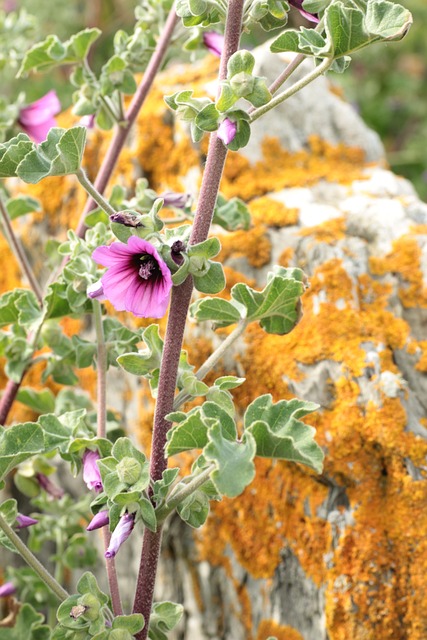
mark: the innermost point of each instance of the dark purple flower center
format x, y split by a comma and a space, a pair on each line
147, 266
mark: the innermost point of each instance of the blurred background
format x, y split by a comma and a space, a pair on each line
387, 84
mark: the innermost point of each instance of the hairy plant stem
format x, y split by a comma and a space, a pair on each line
19, 252
101, 432
209, 364
122, 131
300, 84
8, 397
180, 302
94, 193
32, 561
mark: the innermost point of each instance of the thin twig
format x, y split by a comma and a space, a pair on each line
32, 561
19, 252
101, 433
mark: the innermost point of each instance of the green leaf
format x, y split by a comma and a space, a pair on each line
231, 214
9, 311
148, 514
28, 626
240, 62
145, 361
189, 434
279, 432
221, 313
276, 307
21, 205
39, 401
164, 617
18, 443
61, 154
132, 623
207, 118
55, 432
12, 152
213, 281
88, 584
194, 510
236, 468
50, 53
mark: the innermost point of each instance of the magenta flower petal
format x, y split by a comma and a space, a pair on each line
37, 118
7, 589
137, 279
98, 521
48, 486
24, 521
227, 131
214, 42
173, 199
120, 534
91, 475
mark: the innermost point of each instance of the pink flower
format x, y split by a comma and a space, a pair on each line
91, 475
137, 279
87, 121
227, 130
173, 199
298, 5
36, 119
48, 486
214, 42
7, 589
120, 534
98, 521
24, 521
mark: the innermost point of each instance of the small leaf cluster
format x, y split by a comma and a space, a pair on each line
125, 478
206, 116
86, 615
348, 27
17, 30
269, 14
200, 12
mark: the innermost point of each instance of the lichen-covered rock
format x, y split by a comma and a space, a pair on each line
341, 556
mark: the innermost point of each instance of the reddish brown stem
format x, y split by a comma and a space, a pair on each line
8, 398
180, 302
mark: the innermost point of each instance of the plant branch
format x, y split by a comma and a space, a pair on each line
32, 561
101, 432
180, 302
182, 491
209, 364
94, 193
122, 131
19, 252
281, 97
8, 397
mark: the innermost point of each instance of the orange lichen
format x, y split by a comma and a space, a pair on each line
405, 261
281, 632
272, 213
254, 245
422, 362
329, 231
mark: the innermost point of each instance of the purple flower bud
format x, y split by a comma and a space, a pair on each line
214, 42
36, 119
176, 250
98, 521
227, 131
87, 121
127, 218
91, 475
298, 5
96, 291
48, 486
120, 534
7, 589
177, 200
24, 521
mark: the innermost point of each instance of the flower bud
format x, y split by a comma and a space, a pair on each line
128, 470
91, 606
227, 131
24, 521
91, 474
7, 589
120, 534
48, 486
96, 291
98, 521
126, 218
242, 84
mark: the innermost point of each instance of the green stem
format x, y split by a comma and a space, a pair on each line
182, 491
102, 433
19, 252
32, 561
209, 364
281, 97
94, 194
